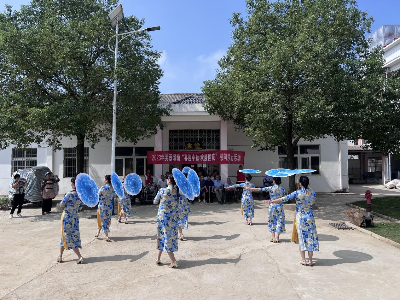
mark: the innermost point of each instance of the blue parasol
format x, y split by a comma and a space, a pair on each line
186, 170
286, 172
182, 183
87, 189
117, 185
194, 182
133, 184
250, 171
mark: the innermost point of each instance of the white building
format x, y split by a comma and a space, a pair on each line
366, 163
188, 125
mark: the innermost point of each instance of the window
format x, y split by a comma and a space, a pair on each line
194, 139
141, 165
23, 158
70, 162
123, 160
374, 165
307, 156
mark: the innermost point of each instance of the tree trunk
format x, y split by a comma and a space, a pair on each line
80, 153
290, 151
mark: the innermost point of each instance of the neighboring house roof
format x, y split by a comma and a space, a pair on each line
184, 98
358, 148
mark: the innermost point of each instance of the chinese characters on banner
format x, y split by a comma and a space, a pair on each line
196, 157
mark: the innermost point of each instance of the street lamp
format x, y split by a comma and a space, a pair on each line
117, 15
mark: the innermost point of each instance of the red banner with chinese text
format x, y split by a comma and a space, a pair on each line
196, 157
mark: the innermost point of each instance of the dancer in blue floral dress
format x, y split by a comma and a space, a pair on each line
167, 221
276, 213
124, 207
183, 215
70, 238
106, 199
306, 228
247, 199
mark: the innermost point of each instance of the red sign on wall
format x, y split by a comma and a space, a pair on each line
196, 157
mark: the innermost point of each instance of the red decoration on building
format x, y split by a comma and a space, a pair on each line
196, 157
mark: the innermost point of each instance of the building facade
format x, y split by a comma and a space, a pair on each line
188, 129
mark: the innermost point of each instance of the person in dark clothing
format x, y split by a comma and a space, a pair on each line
209, 186
48, 192
19, 194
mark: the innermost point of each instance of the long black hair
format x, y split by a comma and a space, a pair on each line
172, 180
248, 177
108, 179
277, 180
304, 181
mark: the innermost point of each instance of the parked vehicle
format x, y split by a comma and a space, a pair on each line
34, 176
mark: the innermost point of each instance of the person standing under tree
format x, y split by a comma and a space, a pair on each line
48, 192
19, 194
70, 238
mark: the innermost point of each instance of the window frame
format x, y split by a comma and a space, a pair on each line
299, 156
70, 169
24, 158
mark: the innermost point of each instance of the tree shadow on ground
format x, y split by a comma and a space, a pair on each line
187, 264
344, 257
214, 237
131, 258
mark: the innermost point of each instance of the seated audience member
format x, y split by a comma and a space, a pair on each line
150, 189
218, 188
229, 193
203, 189
162, 182
209, 187
147, 177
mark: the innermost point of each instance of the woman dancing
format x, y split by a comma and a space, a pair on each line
183, 215
247, 199
276, 214
306, 228
124, 206
167, 221
70, 238
106, 199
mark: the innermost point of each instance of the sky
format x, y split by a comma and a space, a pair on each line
195, 34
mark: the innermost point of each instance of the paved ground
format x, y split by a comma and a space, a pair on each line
223, 258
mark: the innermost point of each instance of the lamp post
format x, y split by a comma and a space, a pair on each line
116, 15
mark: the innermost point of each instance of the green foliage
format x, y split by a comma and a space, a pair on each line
388, 206
295, 70
387, 230
58, 73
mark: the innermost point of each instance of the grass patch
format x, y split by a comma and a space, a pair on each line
3, 201
388, 206
388, 230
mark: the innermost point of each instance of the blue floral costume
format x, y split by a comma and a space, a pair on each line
306, 227
167, 219
276, 214
70, 238
247, 200
125, 203
183, 211
106, 198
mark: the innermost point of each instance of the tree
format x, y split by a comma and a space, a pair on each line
295, 70
58, 73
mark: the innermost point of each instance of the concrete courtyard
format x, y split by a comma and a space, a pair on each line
222, 259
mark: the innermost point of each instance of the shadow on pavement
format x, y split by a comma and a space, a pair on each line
327, 238
344, 257
132, 238
187, 264
206, 223
214, 237
131, 258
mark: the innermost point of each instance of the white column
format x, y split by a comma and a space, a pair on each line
158, 146
223, 135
